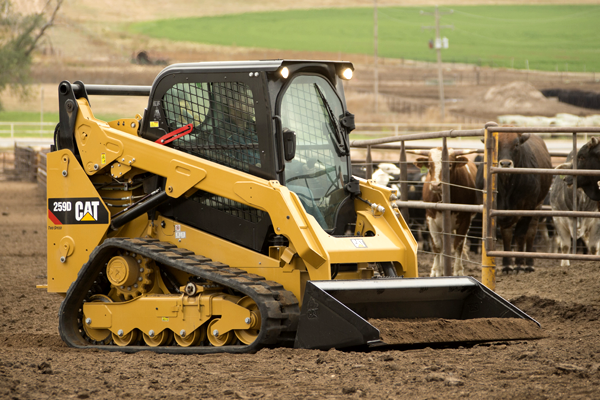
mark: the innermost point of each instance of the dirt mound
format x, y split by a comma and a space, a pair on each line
515, 95
540, 307
402, 331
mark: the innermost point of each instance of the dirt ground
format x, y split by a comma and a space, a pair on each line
35, 363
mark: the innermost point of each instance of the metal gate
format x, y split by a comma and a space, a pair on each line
488, 208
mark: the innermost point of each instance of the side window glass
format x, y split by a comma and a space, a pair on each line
224, 121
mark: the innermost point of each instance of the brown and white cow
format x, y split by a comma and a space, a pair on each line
462, 181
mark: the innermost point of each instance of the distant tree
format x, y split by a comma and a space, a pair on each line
19, 35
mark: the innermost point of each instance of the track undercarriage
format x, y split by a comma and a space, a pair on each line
130, 296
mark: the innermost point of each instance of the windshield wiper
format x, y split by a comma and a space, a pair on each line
341, 145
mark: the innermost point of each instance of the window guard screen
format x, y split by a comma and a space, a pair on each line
224, 121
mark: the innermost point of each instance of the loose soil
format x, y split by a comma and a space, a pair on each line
398, 331
35, 363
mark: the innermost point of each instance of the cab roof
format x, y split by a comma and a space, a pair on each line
248, 66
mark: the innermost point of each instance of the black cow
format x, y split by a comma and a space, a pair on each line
588, 157
417, 221
520, 192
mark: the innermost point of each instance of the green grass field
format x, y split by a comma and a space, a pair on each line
27, 116
547, 36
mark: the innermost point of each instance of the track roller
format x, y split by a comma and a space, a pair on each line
217, 339
191, 339
126, 340
160, 339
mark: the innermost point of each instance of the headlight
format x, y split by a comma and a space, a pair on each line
347, 74
285, 72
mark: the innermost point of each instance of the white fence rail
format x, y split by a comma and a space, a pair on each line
19, 129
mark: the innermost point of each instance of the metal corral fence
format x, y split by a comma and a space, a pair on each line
491, 169
7, 161
398, 128
30, 162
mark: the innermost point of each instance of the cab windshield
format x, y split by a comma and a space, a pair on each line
317, 174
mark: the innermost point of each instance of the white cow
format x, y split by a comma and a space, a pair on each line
588, 229
385, 173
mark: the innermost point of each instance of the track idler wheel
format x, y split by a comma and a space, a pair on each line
217, 339
248, 336
191, 339
161, 339
126, 340
98, 335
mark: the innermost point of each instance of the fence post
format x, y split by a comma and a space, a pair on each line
369, 161
574, 219
488, 264
447, 222
403, 179
12, 130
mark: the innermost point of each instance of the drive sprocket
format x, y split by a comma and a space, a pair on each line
130, 274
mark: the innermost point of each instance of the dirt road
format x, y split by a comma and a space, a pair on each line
36, 364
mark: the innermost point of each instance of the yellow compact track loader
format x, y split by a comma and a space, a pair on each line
226, 219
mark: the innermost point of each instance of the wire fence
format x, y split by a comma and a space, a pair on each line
546, 240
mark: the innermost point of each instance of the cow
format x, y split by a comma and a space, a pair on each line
588, 229
386, 173
520, 192
417, 220
462, 177
588, 157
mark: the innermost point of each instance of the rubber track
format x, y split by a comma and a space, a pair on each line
278, 307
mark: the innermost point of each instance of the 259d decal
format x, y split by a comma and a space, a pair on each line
85, 210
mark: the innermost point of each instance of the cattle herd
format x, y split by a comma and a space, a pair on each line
514, 192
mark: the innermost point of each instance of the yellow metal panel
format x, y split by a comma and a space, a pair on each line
182, 177
127, 125
288, 219
80, 239
135, 228
95, 147
389, 226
